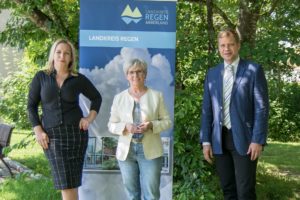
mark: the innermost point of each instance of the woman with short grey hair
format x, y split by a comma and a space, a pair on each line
138, 116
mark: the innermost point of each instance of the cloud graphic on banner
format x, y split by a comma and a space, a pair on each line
128, 15
110, 80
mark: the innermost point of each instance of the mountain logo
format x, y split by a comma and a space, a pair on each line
129, 16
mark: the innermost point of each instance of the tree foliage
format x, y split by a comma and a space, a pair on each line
268, 38
13, 94
35, 24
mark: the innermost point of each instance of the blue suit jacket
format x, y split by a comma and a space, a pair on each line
249, 107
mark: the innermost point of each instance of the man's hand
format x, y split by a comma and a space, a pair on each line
254, 150
208, 154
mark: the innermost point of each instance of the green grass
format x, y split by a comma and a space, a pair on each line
32, 157
289, 154
278, 176
22, 187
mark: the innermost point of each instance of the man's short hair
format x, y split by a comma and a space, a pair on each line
225, 32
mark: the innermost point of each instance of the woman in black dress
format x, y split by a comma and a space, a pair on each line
62, 129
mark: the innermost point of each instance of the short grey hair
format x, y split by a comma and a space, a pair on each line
135, 63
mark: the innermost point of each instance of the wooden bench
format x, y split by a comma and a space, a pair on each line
5, 135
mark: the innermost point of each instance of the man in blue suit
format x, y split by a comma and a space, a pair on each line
234, 118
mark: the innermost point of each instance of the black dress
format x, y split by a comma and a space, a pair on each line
61, 114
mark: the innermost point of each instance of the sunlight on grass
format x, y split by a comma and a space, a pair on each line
23, 187
28, 189
278, 172
285, 156
273, 185
31, 149
32, 156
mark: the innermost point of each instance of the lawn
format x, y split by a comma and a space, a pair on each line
32, 157
278, 176
23, 187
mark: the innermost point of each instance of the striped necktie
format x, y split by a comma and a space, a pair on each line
228, 82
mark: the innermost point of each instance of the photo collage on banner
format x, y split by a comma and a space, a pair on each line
113, 32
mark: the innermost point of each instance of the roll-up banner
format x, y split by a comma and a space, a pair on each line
113, 32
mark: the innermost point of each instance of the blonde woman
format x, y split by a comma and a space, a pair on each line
62, 129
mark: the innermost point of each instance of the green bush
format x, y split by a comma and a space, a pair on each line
13, 96
284, 121
194, 178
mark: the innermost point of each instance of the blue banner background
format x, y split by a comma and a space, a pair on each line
101, 60
105, 15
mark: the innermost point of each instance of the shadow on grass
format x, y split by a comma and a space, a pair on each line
28, 189
285, 156
272, 185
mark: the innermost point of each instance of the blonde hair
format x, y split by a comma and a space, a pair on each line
135, 63
72, 64
226, 32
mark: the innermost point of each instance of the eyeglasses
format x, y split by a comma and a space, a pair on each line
137, 72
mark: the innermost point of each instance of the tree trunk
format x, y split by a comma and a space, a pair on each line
249, 12
44, 21
210, 30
